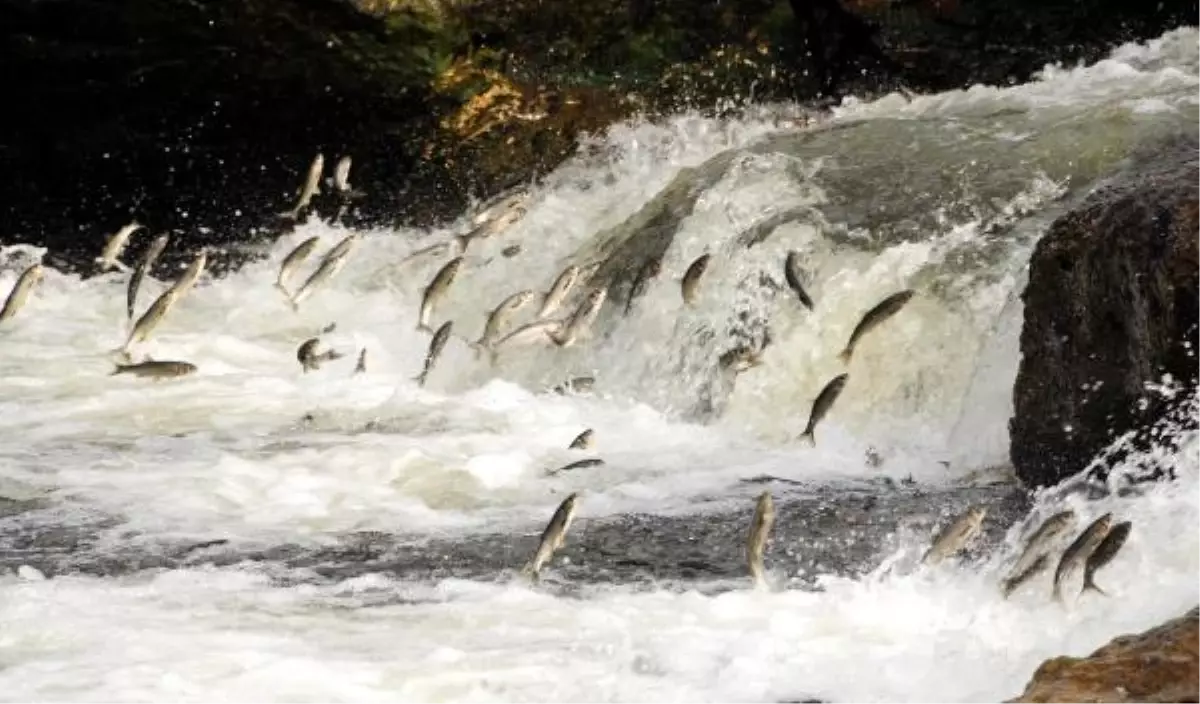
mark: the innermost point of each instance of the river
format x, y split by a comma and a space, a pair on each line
255, 533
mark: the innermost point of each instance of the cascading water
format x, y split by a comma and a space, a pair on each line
944, 194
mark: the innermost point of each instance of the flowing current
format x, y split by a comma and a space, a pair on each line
252, 532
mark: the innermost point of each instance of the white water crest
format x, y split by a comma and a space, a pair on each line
945, 194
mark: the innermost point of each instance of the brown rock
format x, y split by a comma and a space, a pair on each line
1159, 665
1110, 307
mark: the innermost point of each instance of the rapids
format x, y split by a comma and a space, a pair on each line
252, 532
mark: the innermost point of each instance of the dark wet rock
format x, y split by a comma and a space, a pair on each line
1158, 665
200, 119
844, 529
1110, 318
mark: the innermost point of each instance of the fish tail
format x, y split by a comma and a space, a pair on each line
117, 369
1057, 593
530, 572
420, 378
283, 289
844, 355
1090, 585
422, 327
808, 437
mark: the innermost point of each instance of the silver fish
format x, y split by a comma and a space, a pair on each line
189, 276
1078, 552
956, 536
293, 261
20, 292
1103, 554
1039, 544
875, 317
558, 292
362, 362
500, 317
151, 318
1016, 579
691, 278
310, 359
435, 349
435, 290
553, 537
577, 464
821, 406
153, 369
537, 331
791, 272
153, 252
495, 224
312, 187
341, 175
333, 262
110, 257
756, 542
580, 323
500, 206
583, 441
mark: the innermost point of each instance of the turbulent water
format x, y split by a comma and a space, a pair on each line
253, 532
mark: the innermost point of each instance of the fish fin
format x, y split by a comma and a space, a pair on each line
287, 215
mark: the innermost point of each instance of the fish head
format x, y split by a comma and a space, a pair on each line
1104, 523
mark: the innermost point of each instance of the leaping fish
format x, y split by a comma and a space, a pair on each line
311, 187
821, 406
558, 292
756, 542
1077, 554
500, 317
110, 258
435, 290
956, 536
553, 537
190, 275
153, 252
1038, 546
435, 350
875, 317
151, 318
579, 325
791, 272
293, 261
333, 262
310, 359
156, 369
20, 292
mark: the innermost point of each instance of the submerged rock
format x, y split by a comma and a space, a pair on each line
1159, 665
1110, 333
